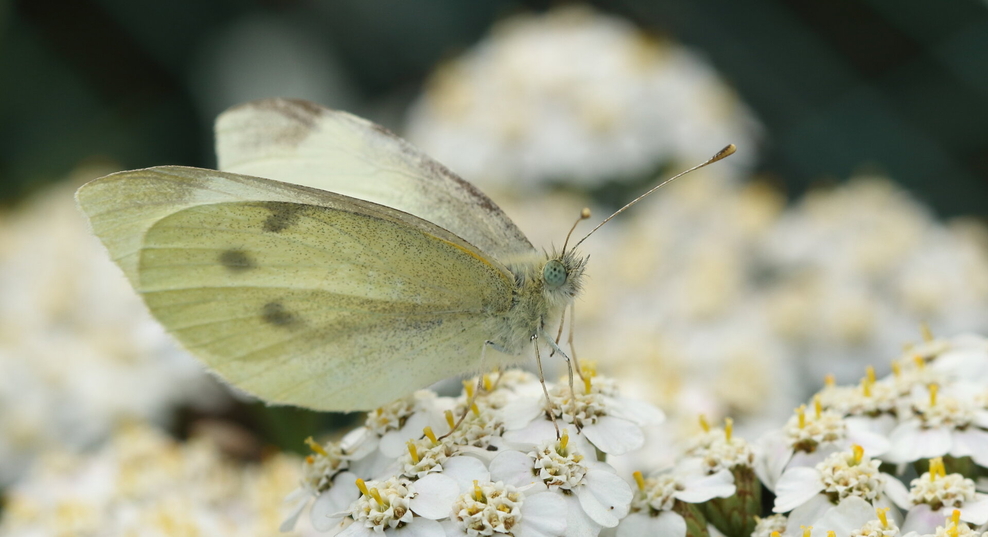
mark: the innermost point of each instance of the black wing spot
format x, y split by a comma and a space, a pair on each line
274, 313
283, 216
236, 260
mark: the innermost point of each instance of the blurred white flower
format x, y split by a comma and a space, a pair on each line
652, 510
837, 494
937, 425
576, 96
810, 437
79, 354
144, 483
935, 495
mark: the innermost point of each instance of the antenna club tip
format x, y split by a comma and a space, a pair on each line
585, 213
724, 153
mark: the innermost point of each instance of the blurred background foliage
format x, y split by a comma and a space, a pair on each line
838, 85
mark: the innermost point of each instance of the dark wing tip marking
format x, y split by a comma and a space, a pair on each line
275, 313
300, 111
236, 260
283, 216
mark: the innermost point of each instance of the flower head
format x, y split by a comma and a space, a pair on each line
937, 494
595, 497
612, 423
500, 509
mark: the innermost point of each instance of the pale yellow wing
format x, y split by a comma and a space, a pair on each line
303, 143
298, 296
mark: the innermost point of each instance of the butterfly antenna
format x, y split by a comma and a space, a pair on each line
584, 214
722, 154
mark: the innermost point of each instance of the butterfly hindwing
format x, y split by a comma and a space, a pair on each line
299, 296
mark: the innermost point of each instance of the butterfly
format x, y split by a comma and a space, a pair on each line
394, 275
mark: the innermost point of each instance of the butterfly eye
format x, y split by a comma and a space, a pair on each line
554, 273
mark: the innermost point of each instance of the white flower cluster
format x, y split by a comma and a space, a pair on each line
828, 466
499, 469
836, 466
490, 463
145, 483
576, 96
79, 353
716, 298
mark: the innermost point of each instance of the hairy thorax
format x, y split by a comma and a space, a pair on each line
539, 298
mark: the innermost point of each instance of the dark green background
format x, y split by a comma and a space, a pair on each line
839, 84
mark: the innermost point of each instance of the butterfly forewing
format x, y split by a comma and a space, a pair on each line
304, 143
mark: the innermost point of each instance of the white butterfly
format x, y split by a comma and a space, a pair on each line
402, 275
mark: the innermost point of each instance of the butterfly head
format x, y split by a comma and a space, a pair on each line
562, 275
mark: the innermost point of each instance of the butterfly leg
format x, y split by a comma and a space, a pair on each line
559, 336
548, 401
559, 333
572, 349
477, 390
569, 363
500, 375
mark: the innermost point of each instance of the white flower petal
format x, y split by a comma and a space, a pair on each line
357, 530
874, 444
881, 424
897, 492
802, 458
531, 435
359, 443
611, 491
772, 454
595, 509
980, 418
894, 513
904, 440
667, 524
295, 512
910, 442
976, 512
973, 443
419, 527
521, 411
578, 441
434, 496
543, 515
922, 520
372, 466
849, 515
513, 468
334, 500
394, 443
933, 442
717, 485
452, 528
579, 523
634, 410
465, 470
807, 514
796, 487
614, 436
